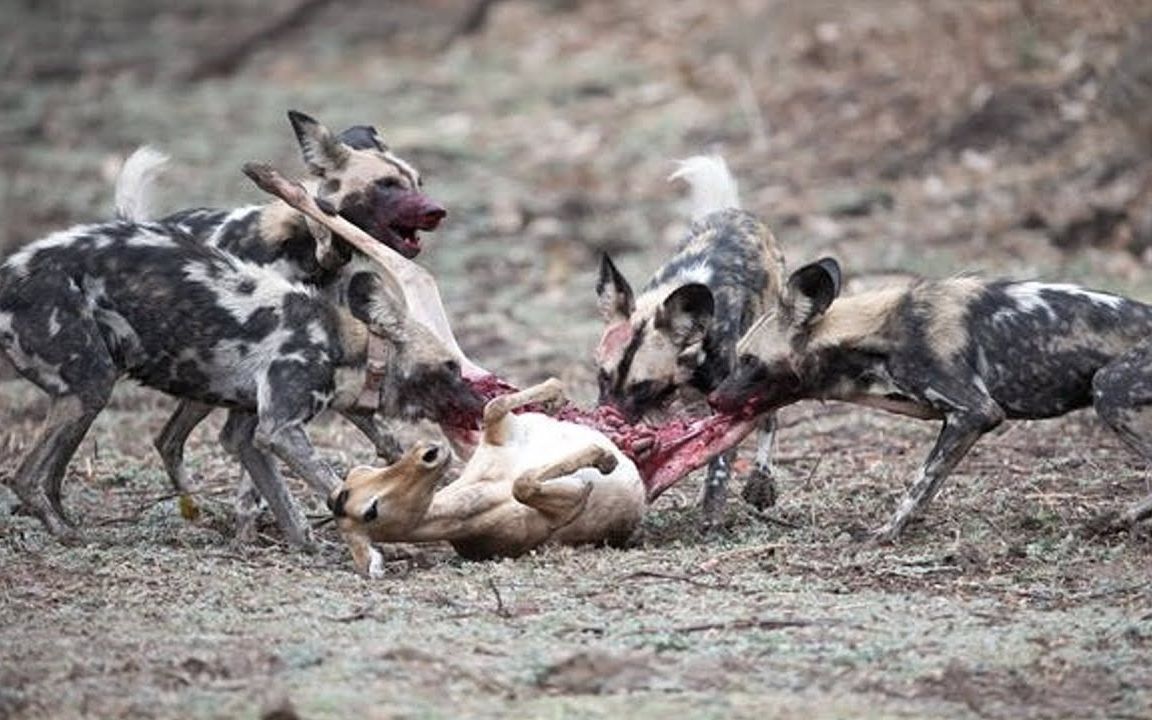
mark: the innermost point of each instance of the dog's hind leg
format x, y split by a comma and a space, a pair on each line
376, 430
760, 488
39, 479
58, 347
969, 412
1122, 396
170, 444
237, 437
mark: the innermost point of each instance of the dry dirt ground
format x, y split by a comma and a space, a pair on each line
934, 137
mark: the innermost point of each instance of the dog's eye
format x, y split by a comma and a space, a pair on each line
388, 183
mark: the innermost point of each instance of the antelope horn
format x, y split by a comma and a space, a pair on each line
421, 293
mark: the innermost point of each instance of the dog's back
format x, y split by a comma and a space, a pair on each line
682, 328
165, 309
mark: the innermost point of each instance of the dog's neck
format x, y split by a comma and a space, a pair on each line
364, 370
285, 230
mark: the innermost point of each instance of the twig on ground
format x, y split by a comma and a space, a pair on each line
363, 612
711, 563
668, 576
500, 609
738, 624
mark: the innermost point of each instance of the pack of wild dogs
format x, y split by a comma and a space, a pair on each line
310, 302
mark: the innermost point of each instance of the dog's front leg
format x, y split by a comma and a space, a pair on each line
38, 481
960, 432
290, 443
1122, 396
238, 438
377, 432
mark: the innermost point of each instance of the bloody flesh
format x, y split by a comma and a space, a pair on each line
662, 453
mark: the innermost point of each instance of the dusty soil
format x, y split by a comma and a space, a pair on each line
927, 137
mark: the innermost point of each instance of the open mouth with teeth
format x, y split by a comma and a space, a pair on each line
401, 238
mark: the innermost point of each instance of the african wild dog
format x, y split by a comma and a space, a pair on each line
679, 335
85, 306
967, 351
532, 479
357, 174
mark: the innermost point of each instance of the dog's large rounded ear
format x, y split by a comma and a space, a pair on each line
363, 137
614, 294
812, 289
323, 152
686, 314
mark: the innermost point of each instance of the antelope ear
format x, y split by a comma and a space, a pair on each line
686, 314
812, 289
613, 292
322, 151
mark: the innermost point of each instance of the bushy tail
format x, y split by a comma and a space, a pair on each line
710, 184
134, 183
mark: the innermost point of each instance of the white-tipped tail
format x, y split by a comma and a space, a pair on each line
710, 184
134, 183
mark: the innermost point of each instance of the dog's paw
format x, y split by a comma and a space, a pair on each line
760, 490
886, 534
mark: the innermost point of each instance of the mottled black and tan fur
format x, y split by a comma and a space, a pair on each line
84, 307
354, 172
967, 351
677, 337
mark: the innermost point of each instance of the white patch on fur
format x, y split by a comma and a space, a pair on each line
54, 322
650, 300
1028, 295
134, 183
18, 261
321, 399
1112, 301
316, 333
234, 216
698, 273
271, 289
1028, 299
148, 238
711, 186
413, 176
